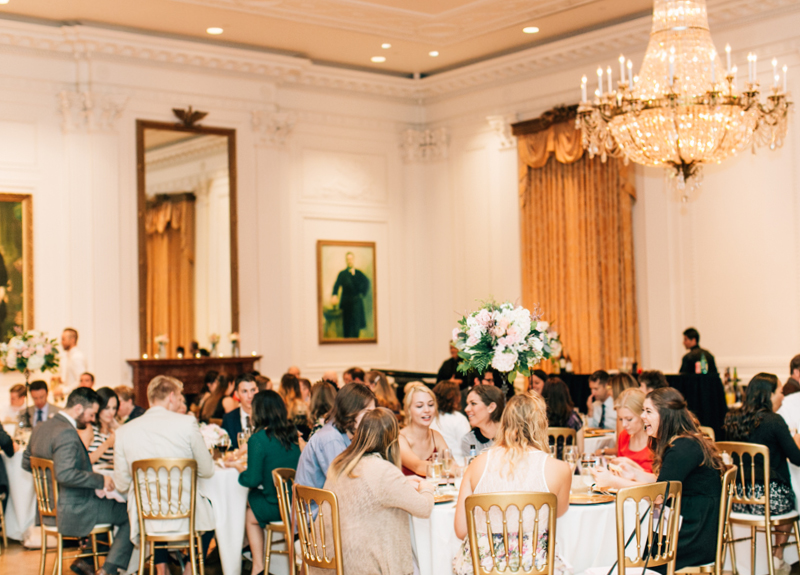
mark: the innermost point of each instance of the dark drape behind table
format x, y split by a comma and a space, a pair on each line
704, 395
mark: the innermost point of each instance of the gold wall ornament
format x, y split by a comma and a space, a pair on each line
684, 109
189, 117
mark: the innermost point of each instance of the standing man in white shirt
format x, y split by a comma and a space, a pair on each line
600, 406
72, 361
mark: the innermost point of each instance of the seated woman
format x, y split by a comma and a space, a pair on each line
323, 395
375, 500
757, 422
219, 402
385, 394
632, 442
295, 406
560, 409
681, 453
418, 441
99, 437
450, 422
518, 461
485, 405
205, 392
273, 445
352, 403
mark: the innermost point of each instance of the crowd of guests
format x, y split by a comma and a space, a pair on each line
355, 438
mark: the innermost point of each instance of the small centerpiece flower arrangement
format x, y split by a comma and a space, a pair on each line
234, 339
162, 339
29, 351
212, 434
504, 337
214, 340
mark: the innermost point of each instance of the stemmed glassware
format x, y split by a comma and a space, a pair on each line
571, 456
588, 463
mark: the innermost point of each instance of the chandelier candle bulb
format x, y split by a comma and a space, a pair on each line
583, 89
622, 68
713, 69
728, 55
630, 73
775, 71
608, 71
785, 70
599, 81
671, 78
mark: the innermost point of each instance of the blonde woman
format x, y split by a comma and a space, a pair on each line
418, 442
632, 441
518, 461
375, 500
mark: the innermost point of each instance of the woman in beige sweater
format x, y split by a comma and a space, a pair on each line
375, 499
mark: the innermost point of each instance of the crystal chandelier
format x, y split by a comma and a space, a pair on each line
684, 109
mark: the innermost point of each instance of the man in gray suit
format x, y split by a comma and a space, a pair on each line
41, 410
79, 509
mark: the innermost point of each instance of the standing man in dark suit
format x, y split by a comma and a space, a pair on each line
236, 421
354, 285
79, 509
689, 365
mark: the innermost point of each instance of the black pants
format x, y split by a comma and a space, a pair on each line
162, 555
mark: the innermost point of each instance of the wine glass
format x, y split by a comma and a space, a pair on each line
571, 457
588, 463
554, 451
433, 473
224, 444
447, 466
242, 438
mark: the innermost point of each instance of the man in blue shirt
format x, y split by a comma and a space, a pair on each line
352, 402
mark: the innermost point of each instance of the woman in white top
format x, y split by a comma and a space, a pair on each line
518, 461
451, 423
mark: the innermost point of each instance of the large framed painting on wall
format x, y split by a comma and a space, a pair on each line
16, 264
346, 291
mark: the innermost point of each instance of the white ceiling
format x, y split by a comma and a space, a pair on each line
350, 32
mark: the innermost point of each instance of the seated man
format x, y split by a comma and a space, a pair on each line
691, 362
41, 410
600, 404
162, 432
353, 375
79, 508
650, 380
792, 384
241, 418
127, 409
16, 404
86, 380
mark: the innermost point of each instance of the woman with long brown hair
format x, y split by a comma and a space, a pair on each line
295, 406
220, 401
682, 453
375, 500
385, 394
518, 461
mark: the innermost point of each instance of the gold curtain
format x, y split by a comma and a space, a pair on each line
577, 246
170, 230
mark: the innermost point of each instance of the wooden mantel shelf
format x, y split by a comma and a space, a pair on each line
191, 371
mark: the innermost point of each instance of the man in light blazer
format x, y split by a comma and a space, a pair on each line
41, 410
79, 508
162, 432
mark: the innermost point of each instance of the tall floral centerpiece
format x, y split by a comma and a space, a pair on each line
26, 353
506, 338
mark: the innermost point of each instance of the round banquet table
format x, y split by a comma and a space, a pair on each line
229, 501
585, 537
21, 508
592, 444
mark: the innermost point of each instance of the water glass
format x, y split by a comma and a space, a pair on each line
571, 457
588, 464
242, 438
433, 473
554, 451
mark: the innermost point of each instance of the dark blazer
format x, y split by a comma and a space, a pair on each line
137, 412
232, 423
693, 356
7, 446
78, 506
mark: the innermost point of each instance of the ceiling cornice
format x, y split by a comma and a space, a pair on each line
93, 43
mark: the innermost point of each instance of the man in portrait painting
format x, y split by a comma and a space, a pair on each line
354, 285
3, 287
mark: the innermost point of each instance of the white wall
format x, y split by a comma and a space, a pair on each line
319, 158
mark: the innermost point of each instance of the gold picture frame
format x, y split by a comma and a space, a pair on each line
16, 263
346, 298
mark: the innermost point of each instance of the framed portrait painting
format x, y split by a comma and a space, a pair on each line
346, 292
16, 264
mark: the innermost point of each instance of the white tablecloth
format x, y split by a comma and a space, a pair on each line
229, 500
21, 509
592, 444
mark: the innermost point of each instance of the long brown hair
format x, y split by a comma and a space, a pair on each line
676, 421
377, 433
385, 394
210, 406
740, 423
350, 400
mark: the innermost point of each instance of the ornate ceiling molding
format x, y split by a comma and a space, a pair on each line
460, 24
91, 43
190, 150
90, 111
272, 126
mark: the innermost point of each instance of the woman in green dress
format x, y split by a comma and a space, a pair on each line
274, 444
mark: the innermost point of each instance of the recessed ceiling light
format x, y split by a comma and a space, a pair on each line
214, 30
386, 46
530, 30
3, 1
433, 53
378, 59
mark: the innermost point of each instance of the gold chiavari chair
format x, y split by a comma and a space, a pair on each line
660, 544
161, 496
708, 432
506, 561
44, 482
314, 546
282, 477
723, 528
3, 523
214, 421
567, 435
743, 456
